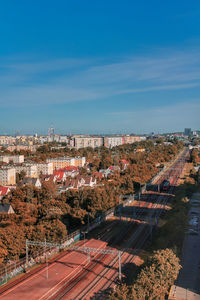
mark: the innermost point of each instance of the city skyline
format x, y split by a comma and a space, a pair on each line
93, 68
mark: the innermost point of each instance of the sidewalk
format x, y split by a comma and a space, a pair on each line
187, 285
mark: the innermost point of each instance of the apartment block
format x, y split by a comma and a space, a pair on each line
129, 139
4, 159
29, 169
16, 159
7, 140
44, 168
60, 163
84, 142
113, 141
31, 148
7, 176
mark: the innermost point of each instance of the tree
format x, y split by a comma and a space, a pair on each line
120, 293
157, 276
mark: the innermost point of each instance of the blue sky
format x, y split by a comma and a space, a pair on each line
99, 66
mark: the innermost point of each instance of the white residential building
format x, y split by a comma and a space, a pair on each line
16, 159
29, 169
7, 140
44, 168
4, 159
7, 176
60, 163
113, 141
32, 181
83, 142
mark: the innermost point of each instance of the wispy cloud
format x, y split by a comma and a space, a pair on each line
27, 83
159, 119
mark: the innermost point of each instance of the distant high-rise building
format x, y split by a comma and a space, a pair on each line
188, 132
51, 131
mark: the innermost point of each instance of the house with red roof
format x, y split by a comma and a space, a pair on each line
72, 183
78, 182
89, 181
124, 163
60, 176
114, 168
70, 171
98, 175
49, 178
4, 191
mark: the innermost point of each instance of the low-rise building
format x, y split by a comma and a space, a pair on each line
70, 171
105, 172
6, 209
78, 182
60, 176
4, 191
32, 181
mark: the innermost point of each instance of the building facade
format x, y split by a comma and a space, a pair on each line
60, 163
44, 168
110, 142
16, 159
84, 142
7, 176
29, 169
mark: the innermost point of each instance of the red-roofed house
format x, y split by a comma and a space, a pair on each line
49, 178
72, 183
60, 176
89, 181
3, 191
124, 163
70, 171
79, 181
98, 175
114, 168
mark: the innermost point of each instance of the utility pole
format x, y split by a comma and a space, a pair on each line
88, 222
120, 271
26, 255
84, 232
150, 223
89, 250
88, 257
134, 213
6, 274
45, 251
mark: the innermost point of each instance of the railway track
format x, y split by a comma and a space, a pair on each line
142, 231
96, 284
132, 244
